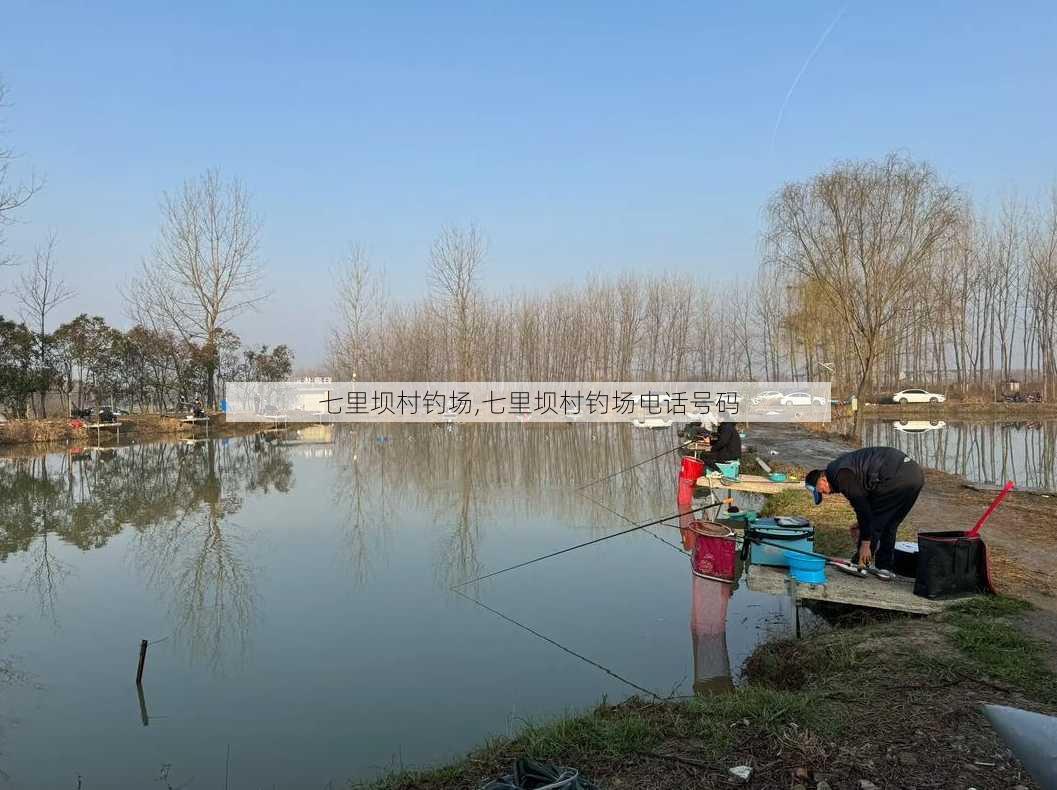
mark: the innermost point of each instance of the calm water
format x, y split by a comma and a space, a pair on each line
981, 451
296, 589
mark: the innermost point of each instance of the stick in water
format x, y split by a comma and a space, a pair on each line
142, 659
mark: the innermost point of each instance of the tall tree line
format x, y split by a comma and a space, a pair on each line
85, 363
876, 275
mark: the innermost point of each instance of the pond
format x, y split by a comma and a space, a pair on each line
295, 588
985, 451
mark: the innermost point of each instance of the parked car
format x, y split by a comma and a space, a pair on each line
918, 396
918, 426
766, 396
801, 399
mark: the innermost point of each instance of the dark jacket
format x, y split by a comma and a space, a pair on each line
863, 477
727, 444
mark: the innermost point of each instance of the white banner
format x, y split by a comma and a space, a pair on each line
650, 404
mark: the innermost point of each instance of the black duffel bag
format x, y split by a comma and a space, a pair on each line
951, 563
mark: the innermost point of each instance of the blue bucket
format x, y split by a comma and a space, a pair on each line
806, 569
729, 469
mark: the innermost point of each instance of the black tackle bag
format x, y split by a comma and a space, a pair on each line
951, 563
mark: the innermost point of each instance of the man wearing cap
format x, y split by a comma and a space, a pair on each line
882, 484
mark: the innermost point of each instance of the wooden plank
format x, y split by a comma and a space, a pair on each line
896, 595
753, 484
700, 445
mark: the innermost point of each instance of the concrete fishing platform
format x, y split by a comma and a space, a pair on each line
896, 595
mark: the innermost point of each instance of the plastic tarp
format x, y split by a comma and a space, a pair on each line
533, 775
1033, 739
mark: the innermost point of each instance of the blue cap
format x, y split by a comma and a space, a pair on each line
814, 493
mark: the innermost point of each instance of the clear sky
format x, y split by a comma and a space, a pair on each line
582, 137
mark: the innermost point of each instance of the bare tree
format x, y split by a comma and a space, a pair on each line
1042, 273
204, 270
359, 303
40, 291
455, 262
13, 194
864, 232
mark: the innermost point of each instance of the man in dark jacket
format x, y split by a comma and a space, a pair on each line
882, 484
726, 444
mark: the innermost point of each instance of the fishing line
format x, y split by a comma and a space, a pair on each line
637, 527
629, 468
621, 515
558, 645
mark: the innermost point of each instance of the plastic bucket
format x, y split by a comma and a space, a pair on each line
715, 551
691, 469
805, 569
729, 469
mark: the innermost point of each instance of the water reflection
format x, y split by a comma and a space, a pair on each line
176, 498
980, 451
180, 501
321, 563
708, 635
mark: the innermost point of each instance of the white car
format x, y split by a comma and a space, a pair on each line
765, 396
918, 426
801, 399
918, 396
652, 422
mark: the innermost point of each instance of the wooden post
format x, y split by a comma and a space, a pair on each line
142, 658
142, 706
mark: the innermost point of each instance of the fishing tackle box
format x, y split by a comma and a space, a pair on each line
783, 532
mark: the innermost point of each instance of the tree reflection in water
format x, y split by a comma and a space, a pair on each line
460, 476
181, 502
178, 498
981, 451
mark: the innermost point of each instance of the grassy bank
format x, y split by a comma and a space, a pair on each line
894, 702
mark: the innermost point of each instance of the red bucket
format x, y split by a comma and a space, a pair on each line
691, 469
715, 551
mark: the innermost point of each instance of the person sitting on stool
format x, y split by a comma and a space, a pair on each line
726, 445
882, 484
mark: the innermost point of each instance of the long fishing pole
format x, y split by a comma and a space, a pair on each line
629, 468
881, 573
636, 528
650, 532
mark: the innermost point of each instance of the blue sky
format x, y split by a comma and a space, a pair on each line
581, 137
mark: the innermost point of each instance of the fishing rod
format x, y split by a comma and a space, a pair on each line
843, 565
637, 527
650, 532
629, 468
